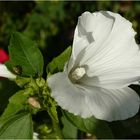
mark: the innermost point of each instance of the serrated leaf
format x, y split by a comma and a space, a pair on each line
90, 125
7, 89
57, 64
16, 104
25, 57
17, 127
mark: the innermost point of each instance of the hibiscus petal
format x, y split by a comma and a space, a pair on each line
88, 30
116, 42
4, 72
79, 44
111, 105
67, 95
115, 63
117, 78
97, 24
104, 104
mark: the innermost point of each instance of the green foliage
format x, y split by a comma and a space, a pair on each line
24, 56
16, 103
44, 20
58, 63
17, 127
7, 89
69, 130
90, 125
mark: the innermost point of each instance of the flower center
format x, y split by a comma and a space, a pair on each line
78, 73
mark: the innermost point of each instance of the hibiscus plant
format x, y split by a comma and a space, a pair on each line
86, 87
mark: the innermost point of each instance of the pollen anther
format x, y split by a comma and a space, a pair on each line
78, 73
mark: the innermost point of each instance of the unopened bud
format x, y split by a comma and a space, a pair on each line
40, 82
34, 102
21, 81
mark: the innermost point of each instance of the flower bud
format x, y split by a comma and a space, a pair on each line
34, 102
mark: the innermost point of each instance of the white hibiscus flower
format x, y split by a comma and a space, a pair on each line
105, 60
4, 72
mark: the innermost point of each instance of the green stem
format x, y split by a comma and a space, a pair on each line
51, 108
53, 114
57, 130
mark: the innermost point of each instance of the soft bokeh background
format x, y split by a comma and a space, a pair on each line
51, 24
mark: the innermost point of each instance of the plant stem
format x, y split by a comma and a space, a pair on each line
55, 122
51, 108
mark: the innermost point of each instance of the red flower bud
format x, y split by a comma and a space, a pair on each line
3, 56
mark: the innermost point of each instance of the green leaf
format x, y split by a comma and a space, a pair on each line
69, 130
25, 57
16, 103
17, 127
7, 89
90, 125
57, 64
